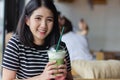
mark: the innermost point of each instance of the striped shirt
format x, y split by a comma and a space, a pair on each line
27, 61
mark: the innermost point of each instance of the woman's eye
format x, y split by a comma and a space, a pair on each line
50, 20
38, 18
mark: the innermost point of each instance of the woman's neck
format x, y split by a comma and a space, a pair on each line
82, 32
39, 42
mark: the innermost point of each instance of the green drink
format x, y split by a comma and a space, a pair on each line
57, 56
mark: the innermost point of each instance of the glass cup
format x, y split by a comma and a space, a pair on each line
57, 56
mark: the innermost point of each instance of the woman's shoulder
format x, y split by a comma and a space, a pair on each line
14, 39
13, 42
15, 36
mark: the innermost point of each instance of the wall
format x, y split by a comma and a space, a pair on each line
103, 21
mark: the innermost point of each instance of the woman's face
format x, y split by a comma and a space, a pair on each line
41, 24
82, 25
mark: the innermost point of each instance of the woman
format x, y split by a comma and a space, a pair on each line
77, 44
83, 27
26, 55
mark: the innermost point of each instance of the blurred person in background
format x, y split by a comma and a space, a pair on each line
83, 27
77, 45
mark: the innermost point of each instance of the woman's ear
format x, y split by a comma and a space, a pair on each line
27, 21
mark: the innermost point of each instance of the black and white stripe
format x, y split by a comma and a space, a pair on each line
27, 61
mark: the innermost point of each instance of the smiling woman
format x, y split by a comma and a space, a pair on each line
26, 56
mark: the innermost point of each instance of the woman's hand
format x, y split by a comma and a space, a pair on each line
52, 71
49, 70
62, 70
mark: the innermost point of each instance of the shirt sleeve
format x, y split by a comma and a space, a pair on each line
67, 57
10, 56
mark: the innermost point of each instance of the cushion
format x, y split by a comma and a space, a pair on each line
97, 69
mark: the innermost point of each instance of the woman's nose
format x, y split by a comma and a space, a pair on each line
43, 24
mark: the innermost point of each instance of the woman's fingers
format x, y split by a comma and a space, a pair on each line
62, 70
62, 67
52, 76
51, 63
65, 62
54, 71
50, 70
52, 67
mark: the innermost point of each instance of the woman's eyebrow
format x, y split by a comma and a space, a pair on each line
42, 16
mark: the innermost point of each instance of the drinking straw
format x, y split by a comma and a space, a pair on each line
58, 44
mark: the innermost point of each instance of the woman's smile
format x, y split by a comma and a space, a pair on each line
42, 32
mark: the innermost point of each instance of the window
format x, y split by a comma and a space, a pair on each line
1, 30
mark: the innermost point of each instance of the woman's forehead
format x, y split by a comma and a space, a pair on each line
43, 11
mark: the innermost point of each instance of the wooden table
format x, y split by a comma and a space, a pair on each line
105, 55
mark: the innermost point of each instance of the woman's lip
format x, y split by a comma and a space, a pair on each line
42, 33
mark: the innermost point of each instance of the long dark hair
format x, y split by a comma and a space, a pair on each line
23, 31
68, 25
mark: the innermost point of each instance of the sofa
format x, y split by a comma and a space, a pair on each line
97, 69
